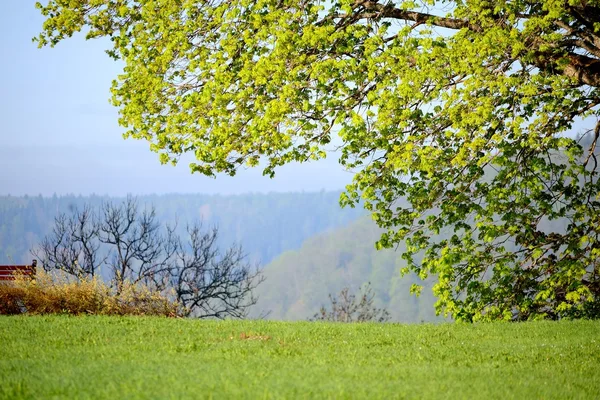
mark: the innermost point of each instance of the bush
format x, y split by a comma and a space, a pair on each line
347, 307
60, 294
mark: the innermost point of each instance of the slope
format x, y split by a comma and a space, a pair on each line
299, 281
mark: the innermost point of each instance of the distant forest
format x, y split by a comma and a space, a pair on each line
266, 225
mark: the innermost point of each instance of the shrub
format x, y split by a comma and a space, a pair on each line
57, 293
347, 307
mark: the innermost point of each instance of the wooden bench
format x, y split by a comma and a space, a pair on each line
7, 272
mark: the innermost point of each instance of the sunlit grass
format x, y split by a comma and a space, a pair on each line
150, 357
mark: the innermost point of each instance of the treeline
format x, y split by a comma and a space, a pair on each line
265, 225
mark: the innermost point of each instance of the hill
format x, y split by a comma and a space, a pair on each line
299, 281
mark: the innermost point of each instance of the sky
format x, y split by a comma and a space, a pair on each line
59, 134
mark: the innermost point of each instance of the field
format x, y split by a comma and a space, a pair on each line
137, 357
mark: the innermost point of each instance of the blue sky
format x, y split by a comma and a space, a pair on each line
59, 134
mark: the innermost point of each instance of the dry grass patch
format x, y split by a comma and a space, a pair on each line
58, 293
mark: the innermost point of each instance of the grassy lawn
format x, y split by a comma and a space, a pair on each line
113, 357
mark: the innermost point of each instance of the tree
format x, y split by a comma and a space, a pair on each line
458, 117
129, 245
210, 283
73, 245
346, 307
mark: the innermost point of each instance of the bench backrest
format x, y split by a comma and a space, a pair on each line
8, 272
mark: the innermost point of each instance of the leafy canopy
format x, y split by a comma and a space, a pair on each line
455, 115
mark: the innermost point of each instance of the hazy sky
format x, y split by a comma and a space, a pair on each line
60, 135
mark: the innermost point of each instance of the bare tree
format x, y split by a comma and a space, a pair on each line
210, 283
139, 250
73, 246
346, 307
130, 245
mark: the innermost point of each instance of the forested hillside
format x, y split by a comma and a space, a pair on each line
264, 224
299, 281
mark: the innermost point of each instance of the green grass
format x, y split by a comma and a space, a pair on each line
114, 357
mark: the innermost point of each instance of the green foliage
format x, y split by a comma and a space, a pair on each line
140, 358
462, 109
